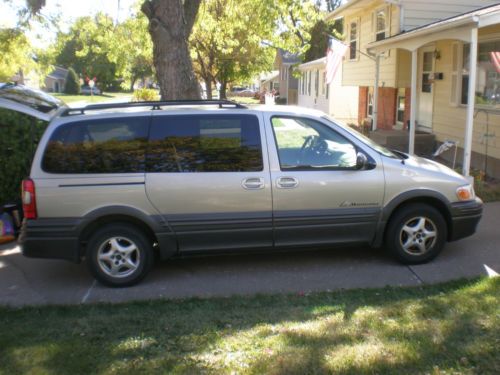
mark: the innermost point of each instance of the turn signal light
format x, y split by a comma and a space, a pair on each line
465, 193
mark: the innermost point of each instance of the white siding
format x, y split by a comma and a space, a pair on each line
421, 12
320, 101
343, 100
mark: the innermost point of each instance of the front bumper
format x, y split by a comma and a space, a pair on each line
464, 218
50, 238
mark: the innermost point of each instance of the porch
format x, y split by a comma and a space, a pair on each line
425, 143
442, 97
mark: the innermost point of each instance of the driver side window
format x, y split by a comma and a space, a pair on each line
305, 144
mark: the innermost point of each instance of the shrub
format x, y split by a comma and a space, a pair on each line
145, 95
72, 86
19, 137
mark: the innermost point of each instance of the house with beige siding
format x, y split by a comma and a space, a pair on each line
418, 54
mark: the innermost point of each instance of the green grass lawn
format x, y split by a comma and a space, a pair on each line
244, 100
452, 328
68, 99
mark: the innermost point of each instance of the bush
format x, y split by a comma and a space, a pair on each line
146, 95
19, 137
72, 86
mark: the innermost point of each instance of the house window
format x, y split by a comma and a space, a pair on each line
400, 106
309, 84
323, 84
369, 109
353, 40
488, 74
316, 83
380, 24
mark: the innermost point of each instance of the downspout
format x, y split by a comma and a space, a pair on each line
375, 93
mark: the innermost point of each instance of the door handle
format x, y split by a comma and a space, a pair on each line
253, 183
287, 182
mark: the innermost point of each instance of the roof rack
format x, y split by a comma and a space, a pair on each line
155, 105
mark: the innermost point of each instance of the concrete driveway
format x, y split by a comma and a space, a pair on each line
26, 281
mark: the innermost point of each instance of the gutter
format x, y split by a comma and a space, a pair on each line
319, 62
429, 29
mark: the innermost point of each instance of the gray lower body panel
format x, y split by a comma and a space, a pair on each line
334, 226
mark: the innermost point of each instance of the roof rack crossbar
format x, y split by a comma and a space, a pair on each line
155, 105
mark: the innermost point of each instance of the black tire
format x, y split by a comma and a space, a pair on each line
410, 239
121, 249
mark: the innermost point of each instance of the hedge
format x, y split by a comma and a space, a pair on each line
19, 136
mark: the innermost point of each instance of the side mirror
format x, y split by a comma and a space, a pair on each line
361, 161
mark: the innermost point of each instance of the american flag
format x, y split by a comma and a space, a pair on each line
334, 54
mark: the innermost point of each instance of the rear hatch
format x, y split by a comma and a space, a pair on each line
30, 101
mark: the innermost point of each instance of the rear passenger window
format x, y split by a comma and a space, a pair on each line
208, 143
98, 146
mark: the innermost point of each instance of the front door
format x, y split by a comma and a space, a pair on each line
426, 88
318, 195
206, 175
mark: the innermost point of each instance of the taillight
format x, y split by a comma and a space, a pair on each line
29, 199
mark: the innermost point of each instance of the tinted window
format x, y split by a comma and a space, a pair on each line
305, 144
99, 146
208, 143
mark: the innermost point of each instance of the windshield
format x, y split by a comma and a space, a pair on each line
380, 149
35, 99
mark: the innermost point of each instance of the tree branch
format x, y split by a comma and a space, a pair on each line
190, 11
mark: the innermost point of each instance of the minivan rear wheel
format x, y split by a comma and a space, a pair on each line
119, 255
416, 233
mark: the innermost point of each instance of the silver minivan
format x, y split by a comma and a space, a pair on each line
118, 184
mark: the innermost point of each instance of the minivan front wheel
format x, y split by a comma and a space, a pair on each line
119, 255
416, 233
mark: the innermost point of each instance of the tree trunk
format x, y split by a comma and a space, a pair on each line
208, 87
170, 24
222, 90
132, 83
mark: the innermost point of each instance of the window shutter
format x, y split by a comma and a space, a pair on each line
388, 31
456, 51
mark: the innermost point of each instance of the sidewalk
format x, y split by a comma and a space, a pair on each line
27, 281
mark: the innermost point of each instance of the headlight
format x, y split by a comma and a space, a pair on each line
465, 193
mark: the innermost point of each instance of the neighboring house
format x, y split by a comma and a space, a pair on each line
29, 79
56, 80
341, 102
288, 84
423, 49
269, 82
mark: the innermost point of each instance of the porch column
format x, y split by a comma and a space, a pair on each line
375, 93
471, 99
413, 104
